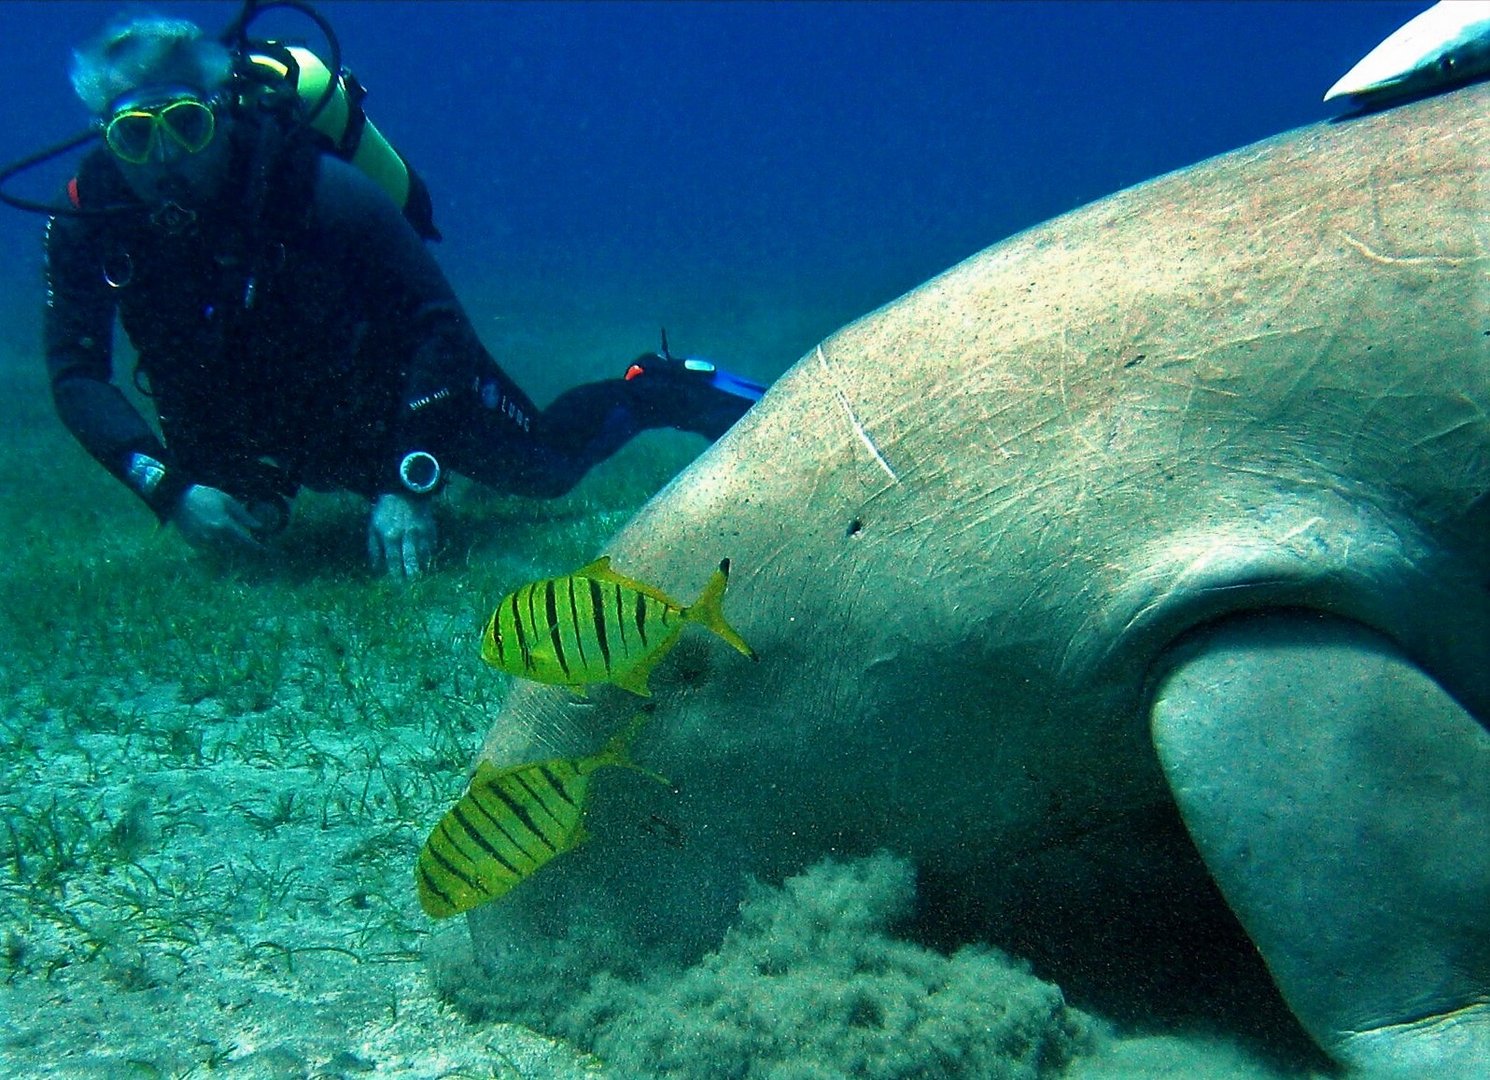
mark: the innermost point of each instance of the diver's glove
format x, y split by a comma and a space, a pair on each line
401, 534
213, 519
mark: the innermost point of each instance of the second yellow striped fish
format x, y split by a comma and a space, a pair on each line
597, 626
509, 824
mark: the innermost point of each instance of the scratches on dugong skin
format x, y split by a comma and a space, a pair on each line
848, 410
1402, 260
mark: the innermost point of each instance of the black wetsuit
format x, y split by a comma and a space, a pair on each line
317, 347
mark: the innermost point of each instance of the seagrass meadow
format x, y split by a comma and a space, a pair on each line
215, 778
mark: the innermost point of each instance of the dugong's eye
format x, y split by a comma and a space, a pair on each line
1446, 65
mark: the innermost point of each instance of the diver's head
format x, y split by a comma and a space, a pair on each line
157, 87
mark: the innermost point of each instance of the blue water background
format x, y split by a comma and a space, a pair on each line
753, 175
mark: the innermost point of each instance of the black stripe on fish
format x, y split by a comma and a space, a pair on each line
499, 825
558, 785
533, 627
443, 863
482, 842
641, 617
454, 846
597, 616
521, 813
551, 609
522, 638
539, 800
579, 639
621, 618
430, 886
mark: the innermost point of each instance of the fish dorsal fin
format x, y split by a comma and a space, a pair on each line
600, 570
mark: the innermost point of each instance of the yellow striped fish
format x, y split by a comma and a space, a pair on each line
597, 626
509, 824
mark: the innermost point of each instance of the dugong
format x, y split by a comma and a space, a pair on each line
1172, 508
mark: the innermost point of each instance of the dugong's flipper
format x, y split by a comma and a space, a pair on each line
1342, 801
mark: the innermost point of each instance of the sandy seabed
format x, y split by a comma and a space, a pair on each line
214, 782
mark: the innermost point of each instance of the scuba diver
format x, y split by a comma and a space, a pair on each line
263, 248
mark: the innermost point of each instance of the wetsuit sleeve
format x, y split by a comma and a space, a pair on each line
437, 346
78, 335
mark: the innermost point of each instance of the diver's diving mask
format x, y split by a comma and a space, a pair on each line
134, 130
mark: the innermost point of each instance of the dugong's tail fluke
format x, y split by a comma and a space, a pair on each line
708, 611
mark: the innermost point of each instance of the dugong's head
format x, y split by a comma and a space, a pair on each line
985, 538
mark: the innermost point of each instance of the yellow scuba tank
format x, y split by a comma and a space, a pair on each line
351, 135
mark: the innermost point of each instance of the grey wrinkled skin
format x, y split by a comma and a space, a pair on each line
1053, 546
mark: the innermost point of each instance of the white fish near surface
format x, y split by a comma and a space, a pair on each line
1448, 43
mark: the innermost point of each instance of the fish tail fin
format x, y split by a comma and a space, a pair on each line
617, 752
708, 611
